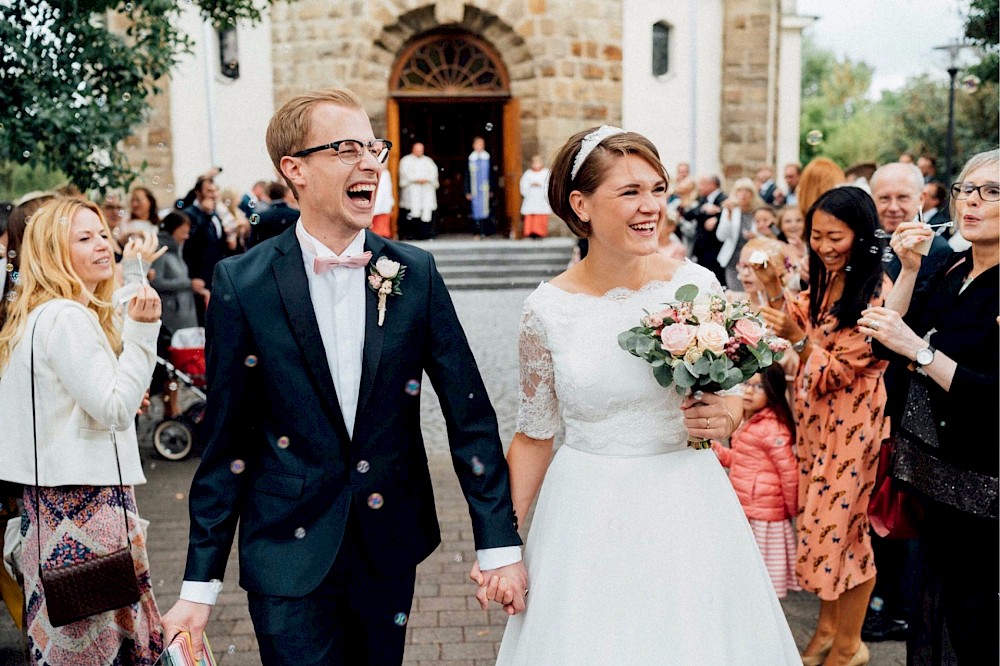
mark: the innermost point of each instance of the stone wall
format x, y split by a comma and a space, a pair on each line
746, 80
152, 143
564, 57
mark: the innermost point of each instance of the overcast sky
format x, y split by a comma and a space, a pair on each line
896, 37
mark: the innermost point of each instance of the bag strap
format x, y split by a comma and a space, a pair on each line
34, 437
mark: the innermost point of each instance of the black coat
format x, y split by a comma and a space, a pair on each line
261, 310
204, 248
271, 222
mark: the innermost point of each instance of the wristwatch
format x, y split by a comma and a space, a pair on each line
800, 345
925, 356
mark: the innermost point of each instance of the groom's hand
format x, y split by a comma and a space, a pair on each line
188, 616
508, 586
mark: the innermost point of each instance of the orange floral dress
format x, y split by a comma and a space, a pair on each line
840, 424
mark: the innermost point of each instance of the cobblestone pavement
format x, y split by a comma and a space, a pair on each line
446, 627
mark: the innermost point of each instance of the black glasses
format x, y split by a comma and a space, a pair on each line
987, 192
350, 151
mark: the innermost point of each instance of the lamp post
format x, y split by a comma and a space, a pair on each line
953, 51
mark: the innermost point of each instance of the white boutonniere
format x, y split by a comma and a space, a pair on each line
384, 278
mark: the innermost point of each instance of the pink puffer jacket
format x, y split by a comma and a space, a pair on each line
762, 467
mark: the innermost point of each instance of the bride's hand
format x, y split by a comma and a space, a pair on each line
707, 416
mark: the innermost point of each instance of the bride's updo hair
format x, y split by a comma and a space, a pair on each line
593, 170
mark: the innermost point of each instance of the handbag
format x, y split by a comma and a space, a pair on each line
918, 463
892, 511
107, 582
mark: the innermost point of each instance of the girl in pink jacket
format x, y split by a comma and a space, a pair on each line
764, 473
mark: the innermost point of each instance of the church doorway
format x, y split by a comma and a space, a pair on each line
447, 88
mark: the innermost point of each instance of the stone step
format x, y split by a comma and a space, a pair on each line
498, 263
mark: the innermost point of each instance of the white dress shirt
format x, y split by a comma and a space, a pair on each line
338, 299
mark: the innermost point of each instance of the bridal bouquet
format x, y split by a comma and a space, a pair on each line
701, 342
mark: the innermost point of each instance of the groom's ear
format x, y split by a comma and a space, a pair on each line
291, 169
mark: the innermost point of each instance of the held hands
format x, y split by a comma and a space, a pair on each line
888, 327
187, 616
145, 306
508, 586
707, 416
905, 240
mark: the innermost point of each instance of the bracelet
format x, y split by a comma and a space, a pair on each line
800, 346
732, 422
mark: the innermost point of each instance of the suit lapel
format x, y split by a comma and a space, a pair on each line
374, 334
293, 286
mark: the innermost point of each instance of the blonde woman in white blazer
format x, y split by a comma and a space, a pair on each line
91, 372
736, 227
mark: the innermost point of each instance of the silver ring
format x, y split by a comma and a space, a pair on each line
873, 325
707, 422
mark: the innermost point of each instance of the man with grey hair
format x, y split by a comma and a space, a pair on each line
897, 189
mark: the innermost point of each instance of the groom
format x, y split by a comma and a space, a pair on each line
313, 442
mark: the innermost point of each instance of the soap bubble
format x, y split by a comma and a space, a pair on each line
254, 218
26, 154
375, 501
283, 442
400, 619
300, 533
970, 83
814, 137
412, 387
882, 233
873, 249
126, 96
251, 361
489, 127
231, 649
478, 468
237, 466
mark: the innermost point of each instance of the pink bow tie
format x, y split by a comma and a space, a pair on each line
323, 264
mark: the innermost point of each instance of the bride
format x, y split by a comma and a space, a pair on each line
639, 552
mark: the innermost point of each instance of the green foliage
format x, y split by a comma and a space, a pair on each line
72, 87
915, 118
18, 179
981, 28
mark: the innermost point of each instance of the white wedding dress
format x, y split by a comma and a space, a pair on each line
639, 552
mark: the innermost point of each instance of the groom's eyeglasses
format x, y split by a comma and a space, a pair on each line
350, 151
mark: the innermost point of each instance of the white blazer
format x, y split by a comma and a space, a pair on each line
81, 390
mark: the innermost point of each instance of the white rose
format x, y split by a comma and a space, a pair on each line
387, 268
712, 337
702, 307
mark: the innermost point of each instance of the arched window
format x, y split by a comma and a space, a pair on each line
661, 48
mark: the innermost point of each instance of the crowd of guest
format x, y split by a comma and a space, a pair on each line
887, 289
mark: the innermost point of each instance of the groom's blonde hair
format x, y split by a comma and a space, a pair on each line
290, 125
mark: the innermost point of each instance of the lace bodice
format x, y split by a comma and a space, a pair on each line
573, 370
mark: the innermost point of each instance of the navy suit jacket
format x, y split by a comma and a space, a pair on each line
269, 380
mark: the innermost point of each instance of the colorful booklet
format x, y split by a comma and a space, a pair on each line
180, 652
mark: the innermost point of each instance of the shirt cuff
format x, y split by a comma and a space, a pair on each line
201, 592
142, 333
494, 558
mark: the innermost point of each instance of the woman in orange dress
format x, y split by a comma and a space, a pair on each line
840, 420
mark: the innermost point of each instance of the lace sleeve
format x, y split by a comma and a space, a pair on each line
538, 409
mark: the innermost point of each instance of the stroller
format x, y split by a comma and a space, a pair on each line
175, 438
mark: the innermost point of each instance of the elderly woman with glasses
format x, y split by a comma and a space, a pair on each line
949, 331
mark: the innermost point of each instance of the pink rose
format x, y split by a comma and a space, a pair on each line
712, 337
654, 321
749, 330
375, 281
678, 337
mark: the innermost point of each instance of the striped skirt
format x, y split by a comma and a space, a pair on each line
77, 524
776, 540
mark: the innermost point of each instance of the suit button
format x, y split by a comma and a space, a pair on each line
363, 466
375, 501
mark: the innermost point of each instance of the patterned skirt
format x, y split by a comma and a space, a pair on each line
79, 523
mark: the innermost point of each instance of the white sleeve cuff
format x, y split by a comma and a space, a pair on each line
201, 592
143, 334
494, 558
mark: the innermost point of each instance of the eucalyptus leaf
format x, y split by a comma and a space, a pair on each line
682, 377
687, 292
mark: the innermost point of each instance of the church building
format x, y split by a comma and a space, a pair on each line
714, 83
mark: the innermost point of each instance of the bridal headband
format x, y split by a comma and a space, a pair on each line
590, 142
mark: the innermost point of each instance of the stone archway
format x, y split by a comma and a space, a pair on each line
456, 79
